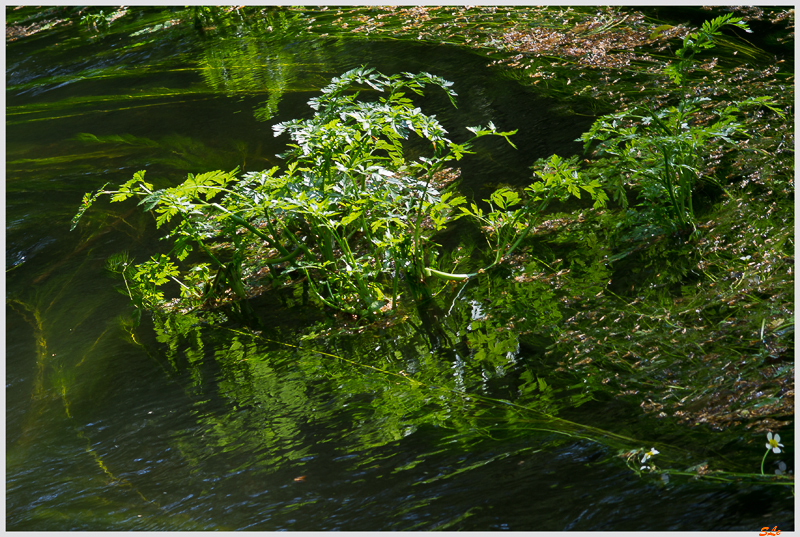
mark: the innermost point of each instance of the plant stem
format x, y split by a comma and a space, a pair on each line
762, 462
244, 223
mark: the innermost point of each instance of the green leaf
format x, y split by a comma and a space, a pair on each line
542, 384
352, 216
659, 30
88, 200
126, 190
504, 198
152, 200
182, 248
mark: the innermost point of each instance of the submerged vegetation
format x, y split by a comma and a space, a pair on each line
652, 272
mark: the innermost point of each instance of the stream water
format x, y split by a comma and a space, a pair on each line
110, 427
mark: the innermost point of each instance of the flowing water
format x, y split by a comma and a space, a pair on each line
112, 427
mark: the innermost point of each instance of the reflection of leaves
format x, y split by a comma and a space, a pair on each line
127, 139
282, 401
252, 64
176, 151
535, 387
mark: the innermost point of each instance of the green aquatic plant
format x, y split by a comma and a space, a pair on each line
663, 151
102, 19
559, 179
644, 467
352, 216
92, 20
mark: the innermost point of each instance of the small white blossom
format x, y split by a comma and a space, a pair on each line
649, 454
774, 443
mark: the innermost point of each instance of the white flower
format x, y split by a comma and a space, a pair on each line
652, 452
774, 443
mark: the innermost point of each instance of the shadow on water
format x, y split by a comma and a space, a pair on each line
440, 421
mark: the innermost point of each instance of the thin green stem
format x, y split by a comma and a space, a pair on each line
244, 223
273, 231
418, 258
498, 256
762, 461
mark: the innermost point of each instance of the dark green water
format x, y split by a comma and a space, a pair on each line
113, 429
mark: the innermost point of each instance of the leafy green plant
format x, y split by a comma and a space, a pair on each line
663, 150
352, 216
559, 179
101, 19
